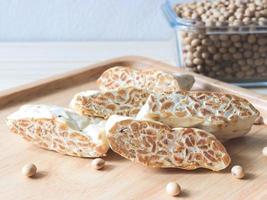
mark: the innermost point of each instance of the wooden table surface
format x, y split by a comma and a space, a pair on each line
22, 63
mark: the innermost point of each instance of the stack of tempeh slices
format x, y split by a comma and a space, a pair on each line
147, 116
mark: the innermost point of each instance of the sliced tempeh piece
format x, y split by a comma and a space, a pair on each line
60, 129
123, 101
149, 79
226, 116
156, 145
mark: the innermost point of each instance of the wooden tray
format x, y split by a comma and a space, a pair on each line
65, 177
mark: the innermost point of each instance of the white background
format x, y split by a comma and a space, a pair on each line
82, 20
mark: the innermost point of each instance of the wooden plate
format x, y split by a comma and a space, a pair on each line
65, 177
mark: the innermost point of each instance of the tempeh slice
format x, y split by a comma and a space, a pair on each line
60, 129
149, 79
224, 115
123, 101
156, 145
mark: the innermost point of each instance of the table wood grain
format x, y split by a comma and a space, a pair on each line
22, 63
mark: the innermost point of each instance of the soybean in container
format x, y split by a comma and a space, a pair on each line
222, 39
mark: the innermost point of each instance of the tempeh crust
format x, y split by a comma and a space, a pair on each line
149, 79
156, 145
54, 133
226, 116
123, 101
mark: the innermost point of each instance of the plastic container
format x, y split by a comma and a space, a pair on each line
230, 53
